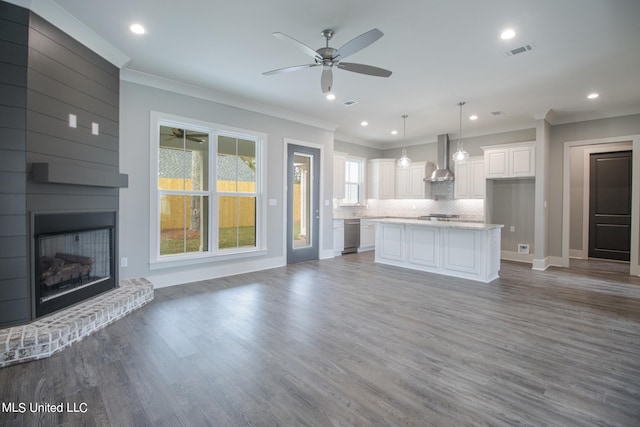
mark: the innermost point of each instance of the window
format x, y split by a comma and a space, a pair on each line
236, 188
353, 177
208, 191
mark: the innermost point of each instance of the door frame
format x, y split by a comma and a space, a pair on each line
322, 204
634, 264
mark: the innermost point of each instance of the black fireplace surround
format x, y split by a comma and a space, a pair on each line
73, 258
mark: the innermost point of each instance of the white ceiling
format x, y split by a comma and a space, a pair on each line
440, 51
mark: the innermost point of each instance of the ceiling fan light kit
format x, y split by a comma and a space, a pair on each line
329, 57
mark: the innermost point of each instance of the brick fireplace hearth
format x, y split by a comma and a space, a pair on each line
51, 334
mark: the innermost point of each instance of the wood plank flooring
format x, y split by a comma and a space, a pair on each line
346, 342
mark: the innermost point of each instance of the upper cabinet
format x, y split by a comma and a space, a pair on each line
381, 179
410, 181
338, 175
470, 181
510, 160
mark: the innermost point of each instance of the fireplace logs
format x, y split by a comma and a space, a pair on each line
64, 268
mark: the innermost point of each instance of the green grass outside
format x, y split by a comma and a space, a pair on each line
227, 238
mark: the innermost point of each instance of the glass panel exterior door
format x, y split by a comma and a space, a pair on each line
303, 207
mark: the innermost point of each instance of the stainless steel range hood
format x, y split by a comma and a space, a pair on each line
442, 172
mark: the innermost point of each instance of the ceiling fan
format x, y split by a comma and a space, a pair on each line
190, 135
328, 57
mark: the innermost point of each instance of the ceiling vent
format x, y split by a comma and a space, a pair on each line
497, 113
350, 103
519, 50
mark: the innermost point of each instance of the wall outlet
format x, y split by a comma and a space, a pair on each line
124, 262
523, 248
512, 228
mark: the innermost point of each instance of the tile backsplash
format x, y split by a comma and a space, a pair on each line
469, 209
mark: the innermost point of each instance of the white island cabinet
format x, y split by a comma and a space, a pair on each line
460, 249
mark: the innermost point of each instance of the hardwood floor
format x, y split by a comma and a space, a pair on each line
346, 342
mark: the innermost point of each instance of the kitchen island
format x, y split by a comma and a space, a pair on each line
461, 249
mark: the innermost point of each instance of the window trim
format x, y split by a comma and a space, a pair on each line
158, 119
361, 180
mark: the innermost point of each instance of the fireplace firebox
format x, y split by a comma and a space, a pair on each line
73, 258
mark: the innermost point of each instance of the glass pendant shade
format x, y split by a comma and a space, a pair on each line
404, 161
460, 156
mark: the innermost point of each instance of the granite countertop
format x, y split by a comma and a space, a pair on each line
440, 224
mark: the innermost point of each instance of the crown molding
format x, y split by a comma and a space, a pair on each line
163, 83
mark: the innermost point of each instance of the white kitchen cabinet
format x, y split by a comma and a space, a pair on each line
381, 179
510, 160
338, 175
410, 181
469, 179
402, 183
367, 235
338, 236
459, 249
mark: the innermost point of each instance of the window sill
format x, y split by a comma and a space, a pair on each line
182, 260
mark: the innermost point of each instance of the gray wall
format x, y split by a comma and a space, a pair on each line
45, 75
593, 129
357, 150
513, 206
14, 282
137, 101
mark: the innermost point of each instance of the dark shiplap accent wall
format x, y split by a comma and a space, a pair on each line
44, 76
14, 282
66, 77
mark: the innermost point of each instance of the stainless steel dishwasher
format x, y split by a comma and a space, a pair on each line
351, 235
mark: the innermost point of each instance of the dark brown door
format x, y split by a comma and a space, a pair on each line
610, 205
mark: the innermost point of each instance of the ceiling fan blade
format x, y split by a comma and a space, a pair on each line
364, 69
295, 43
289, 69
359, 43
326, 81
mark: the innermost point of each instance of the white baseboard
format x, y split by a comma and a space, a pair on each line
515, 256
541, 264
193, 274
577, 254
556, 261
327, 254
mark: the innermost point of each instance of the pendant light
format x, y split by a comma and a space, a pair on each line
404, 161
460, 155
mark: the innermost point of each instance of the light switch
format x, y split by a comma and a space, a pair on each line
73, 121
273, 202
95, 128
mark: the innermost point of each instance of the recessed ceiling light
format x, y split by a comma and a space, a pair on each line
394, 132
364, 123
593, 95
474, 117
331, 96
137, 29
507, 34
